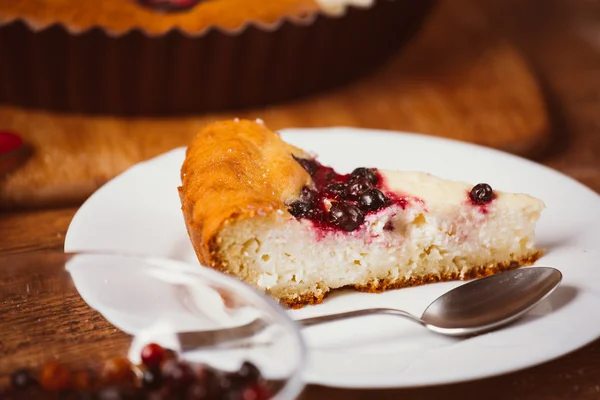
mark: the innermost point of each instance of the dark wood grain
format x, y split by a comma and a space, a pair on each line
561, 42
35, 230
67, 331
43, 319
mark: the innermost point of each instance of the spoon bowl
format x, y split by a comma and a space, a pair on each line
491, 302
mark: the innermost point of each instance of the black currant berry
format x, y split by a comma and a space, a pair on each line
309, 166
357, 187
481, 193
345, 216
365, 173
372, 200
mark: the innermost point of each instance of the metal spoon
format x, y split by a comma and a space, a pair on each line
476, 307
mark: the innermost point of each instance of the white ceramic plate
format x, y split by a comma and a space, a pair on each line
139, 212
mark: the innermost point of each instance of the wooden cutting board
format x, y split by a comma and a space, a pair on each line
457, 79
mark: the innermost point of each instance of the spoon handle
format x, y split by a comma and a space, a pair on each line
231, 337
358, 313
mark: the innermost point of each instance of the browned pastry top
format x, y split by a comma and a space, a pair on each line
235, 169
118, 16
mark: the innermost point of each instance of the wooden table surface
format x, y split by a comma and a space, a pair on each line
561, 40
457, 78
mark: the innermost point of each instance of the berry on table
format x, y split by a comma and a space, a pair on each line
55, 376
256, 392
152, 355
22, 379
152, 378
81, 380
178, 375
248, 373
118, 370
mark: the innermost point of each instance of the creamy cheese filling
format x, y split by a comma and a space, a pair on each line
285, 256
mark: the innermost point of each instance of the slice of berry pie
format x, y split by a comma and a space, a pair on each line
268, 213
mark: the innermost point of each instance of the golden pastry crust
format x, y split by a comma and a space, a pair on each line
119, 16
233, 170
